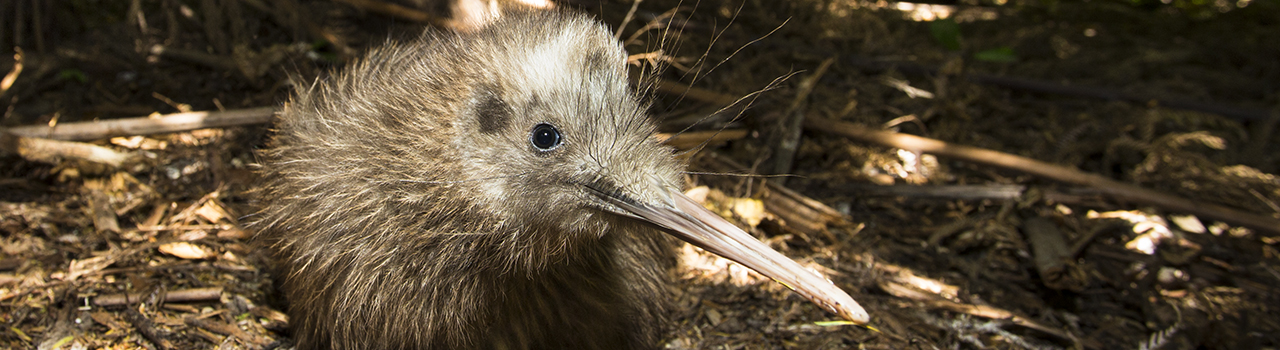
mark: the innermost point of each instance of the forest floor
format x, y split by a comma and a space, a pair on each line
945, 252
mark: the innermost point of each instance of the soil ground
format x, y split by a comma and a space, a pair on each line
1012, 261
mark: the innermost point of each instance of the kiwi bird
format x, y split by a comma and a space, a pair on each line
495, 189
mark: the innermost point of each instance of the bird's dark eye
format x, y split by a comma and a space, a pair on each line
545, 137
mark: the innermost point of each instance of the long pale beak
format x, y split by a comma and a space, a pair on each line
692, 223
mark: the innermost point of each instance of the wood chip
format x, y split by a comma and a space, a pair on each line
83, 267
104, 218
187, 250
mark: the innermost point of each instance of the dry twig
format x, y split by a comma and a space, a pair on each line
147, 328
786, 138
175, 296
53, 151
83, 131
398, 11
694, 139
1113, 188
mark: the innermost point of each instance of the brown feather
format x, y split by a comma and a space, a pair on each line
409, 209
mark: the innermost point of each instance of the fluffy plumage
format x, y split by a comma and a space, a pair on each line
409, 209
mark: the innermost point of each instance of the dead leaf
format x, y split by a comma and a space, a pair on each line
698, 194
187, 250
233, 233
86, 266
749, 210
106, 318
193, 235
211, 212
714, 316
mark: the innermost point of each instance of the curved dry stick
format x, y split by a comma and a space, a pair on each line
95, 130
398, 11
1113, 188
52, 151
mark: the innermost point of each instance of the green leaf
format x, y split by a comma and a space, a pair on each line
1002, 54
946, 32
73, 74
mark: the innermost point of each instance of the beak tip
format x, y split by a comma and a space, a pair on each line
689, 221
858, 316
851, 311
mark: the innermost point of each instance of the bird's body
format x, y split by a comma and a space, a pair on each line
496, 190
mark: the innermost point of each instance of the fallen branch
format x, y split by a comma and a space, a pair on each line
95, 130
176, 296
694, 139
228, 330
147, 328
1104, 185
53, 151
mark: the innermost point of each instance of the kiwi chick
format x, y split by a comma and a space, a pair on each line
496, 189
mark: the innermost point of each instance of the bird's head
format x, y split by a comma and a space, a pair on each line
559, 148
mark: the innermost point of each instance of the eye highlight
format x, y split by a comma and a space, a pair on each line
545, 137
